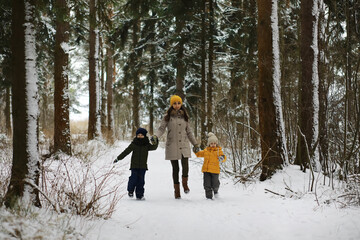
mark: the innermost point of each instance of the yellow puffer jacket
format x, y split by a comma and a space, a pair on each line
211, 159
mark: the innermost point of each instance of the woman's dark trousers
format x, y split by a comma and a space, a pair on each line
136, 182
176, 169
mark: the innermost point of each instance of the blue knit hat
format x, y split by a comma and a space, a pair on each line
142, 131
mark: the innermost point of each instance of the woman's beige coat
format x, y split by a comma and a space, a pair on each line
178, 136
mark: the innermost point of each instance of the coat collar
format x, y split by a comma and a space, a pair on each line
141, 141
213, 149
175, 113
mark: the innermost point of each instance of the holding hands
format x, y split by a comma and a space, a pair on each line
221, 158
196, 148
116, 160
154, 140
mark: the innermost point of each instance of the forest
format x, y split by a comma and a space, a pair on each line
277, 81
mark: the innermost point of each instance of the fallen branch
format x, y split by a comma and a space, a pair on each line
246, 178
274, 192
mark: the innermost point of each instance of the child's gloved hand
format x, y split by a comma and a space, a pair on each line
116, 160
154, 140
221, 158
196, 148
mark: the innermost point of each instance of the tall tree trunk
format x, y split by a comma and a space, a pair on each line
235, 79
273, 147
8, 112
25, 166
62, 139
109, 89
136, 80
323, 102
203, 76
44, 118
103, 88
180, 67
94, 128
152, 77
309, 88
348, 85
210, 78
252, 87
237, 82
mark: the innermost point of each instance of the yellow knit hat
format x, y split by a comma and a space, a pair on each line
175, 98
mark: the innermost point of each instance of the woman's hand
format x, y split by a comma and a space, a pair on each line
154, 140
196, 148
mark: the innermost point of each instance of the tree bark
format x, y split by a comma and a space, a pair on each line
235, 79
8, 112
25, 166
308, 84
348, 80
62, 138
323, 107
152, 78
180, 67
103, 88
210, 78
94, 128
136, 80
252, 87
273, 148
109, 90
203, 76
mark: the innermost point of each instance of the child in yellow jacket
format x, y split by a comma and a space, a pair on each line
212, 155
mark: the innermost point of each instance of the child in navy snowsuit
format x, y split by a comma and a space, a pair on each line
140, 146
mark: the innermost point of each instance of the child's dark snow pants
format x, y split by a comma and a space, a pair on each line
211, 183
136, 182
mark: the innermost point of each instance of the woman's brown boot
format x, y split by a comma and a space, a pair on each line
185, 184
177, 191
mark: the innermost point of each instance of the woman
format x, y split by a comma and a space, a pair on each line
176, 121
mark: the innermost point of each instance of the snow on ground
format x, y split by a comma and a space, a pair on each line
240, 212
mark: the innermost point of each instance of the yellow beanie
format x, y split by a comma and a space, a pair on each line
175, 98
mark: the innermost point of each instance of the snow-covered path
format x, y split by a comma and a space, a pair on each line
239, 213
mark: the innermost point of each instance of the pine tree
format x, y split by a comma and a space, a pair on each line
273, 148
62, 139
94, 129
309, 88
25, 168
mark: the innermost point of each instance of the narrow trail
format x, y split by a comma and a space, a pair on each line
239, 213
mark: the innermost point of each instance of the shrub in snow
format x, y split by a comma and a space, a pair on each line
82, 188
33, 223
351, 195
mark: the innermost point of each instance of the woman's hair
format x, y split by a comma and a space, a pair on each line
168, 113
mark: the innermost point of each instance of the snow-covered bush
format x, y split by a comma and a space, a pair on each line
33, 223
351, 195
82, 188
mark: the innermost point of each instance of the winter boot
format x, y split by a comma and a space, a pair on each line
208, 194
185, 184
177, 191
